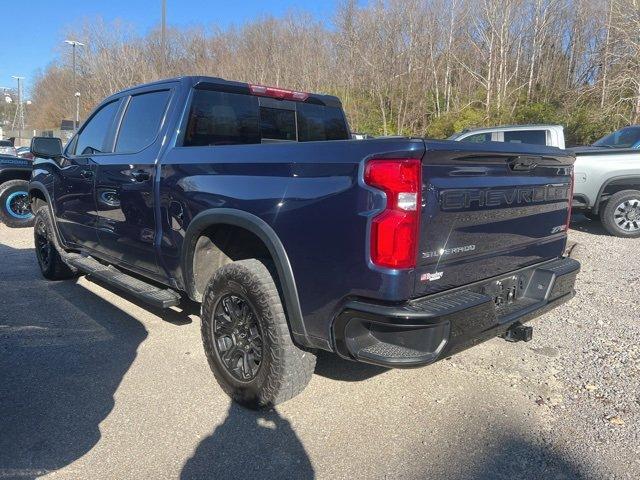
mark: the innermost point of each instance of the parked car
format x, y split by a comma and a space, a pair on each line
255, 202
550, 135
24, 152
607, 182
7, 148
15, 209
627, 137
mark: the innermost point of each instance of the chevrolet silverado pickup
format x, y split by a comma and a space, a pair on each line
607, 181
255, 202
550, 135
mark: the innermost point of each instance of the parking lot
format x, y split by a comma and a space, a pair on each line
95, 386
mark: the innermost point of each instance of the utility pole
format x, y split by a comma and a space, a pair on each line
163, 38
18, 118
76, 93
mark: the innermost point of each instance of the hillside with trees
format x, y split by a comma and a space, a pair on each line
419, 67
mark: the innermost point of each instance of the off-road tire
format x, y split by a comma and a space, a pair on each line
8, 191
285, 370
609, 211
53, 266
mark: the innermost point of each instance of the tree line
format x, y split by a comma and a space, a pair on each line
405, 67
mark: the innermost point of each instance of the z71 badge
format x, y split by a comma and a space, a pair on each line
430, 277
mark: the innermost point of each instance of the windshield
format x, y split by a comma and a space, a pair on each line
628, 137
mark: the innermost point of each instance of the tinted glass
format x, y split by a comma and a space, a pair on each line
141, 121
317, 122
628, 137
277, 124
93, 136
5, 143
218, 118
478, 138
537, 137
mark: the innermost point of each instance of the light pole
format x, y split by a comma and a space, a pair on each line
163, 38
7, 99
19, 116
76, 93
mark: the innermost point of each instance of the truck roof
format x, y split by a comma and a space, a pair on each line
203, 81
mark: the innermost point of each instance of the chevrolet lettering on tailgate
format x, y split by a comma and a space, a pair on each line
491, 197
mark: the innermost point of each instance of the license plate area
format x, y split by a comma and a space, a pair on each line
505, 291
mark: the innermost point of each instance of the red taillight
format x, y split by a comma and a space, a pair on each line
394, 232
279, 93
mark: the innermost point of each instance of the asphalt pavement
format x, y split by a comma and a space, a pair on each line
94, 385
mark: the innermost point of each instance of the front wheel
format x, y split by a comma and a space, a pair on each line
51, 264
246, 337
15, 211
621, 214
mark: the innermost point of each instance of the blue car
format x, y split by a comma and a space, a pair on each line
627, 137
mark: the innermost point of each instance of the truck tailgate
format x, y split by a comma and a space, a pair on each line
490, 209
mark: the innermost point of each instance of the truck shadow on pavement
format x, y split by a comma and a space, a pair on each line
512, 457
517, 458
63, 354
65, 350
250, 444
583, 224
333, 367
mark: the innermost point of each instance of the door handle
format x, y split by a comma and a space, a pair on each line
86, 174
140, 176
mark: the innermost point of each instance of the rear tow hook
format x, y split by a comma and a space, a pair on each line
518, 333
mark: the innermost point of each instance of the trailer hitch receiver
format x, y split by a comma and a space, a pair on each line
518, 333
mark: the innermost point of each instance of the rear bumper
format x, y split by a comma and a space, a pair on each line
427, 329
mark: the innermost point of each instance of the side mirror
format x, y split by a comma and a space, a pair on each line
46, 147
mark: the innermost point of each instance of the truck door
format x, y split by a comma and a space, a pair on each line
124, 187
73, 185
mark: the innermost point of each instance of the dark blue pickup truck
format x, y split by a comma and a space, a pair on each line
255, 202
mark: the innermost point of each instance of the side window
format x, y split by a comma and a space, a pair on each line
141, 121
277, 124
219, 118
537, 137
94, 134
478, 138
317, 122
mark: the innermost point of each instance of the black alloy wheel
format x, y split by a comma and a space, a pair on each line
44, 245
238, 337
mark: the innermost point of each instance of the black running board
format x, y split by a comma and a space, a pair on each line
147, 293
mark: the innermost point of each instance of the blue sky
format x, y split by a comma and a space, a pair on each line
31, 31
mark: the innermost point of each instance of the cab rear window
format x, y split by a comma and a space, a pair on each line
221, 118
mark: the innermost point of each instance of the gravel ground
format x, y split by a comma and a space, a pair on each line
93, 385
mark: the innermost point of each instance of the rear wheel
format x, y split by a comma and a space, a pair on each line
51, 264
15, 211
246, 337
621, 214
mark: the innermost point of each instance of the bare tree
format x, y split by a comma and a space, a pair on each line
400, 66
